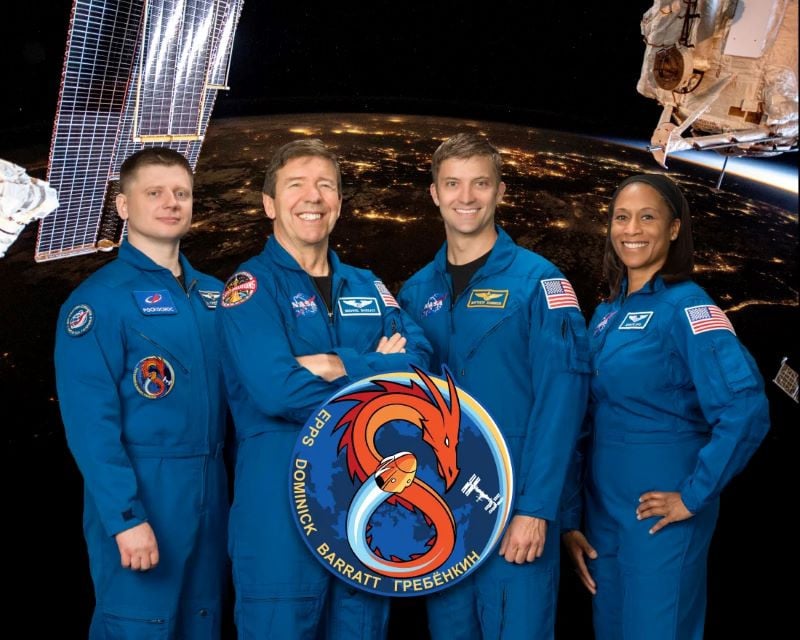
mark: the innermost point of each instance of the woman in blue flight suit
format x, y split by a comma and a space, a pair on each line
677, 409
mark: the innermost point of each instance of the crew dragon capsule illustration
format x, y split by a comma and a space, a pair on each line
725, 72
396, 472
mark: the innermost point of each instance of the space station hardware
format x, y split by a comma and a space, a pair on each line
137, 73
725, 72
22, 199
786, 379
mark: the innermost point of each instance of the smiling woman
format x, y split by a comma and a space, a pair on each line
664, 443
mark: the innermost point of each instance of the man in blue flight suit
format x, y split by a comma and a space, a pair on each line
141, 394
507, 324
297, 325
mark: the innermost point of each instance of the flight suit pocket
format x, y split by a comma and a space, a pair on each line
578, 358
119, 627
732, 365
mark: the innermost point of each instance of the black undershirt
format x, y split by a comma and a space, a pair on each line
462, 273
324, 285
181, 280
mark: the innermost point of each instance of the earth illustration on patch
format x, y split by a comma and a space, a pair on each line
401, 484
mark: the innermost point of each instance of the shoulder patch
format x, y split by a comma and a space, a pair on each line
559, 293
636, 320
707, 317
240, 288
386, 295
487, 299
79, 320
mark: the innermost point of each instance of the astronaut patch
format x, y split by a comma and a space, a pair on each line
356, 306
635, 320
434, 304
209, 298
240, 288
155, 303
488, 299
153, 377
304, 305
79, 320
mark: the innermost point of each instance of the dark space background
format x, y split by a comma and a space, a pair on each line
558, 66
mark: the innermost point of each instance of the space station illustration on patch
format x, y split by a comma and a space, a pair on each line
401, 484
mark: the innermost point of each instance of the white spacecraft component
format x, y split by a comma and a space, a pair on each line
472, 485
725, 72
786, 379
22, 199
137, 73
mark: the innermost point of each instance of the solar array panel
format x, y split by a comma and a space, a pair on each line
137, 73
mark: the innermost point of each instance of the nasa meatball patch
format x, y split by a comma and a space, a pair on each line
79, 320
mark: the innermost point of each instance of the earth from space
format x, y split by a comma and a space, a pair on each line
558, 188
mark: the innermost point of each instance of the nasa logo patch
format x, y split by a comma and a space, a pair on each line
153, 377
434, 304
401, 484
79, 320
304, 305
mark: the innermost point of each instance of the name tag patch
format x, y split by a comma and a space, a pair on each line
488, 298
356, 306
155, 303
636, 320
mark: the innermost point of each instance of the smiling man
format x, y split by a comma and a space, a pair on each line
297, 325
507, 324
140, 390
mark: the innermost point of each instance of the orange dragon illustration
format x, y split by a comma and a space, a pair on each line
392, 478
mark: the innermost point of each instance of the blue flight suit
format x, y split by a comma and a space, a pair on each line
271, 313
527, 364
142, 399
677, 404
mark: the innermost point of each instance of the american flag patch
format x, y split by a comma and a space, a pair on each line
707, 317
559, 293
386, 295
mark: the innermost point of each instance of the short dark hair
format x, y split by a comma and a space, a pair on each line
465, 145
305, 148
163, 156
679, 264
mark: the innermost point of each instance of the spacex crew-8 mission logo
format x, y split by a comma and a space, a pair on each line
401, 484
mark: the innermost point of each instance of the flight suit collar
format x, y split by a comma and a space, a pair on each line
133, 256
280, 256
501, 256
650, 287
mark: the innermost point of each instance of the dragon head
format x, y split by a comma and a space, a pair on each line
440, 428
